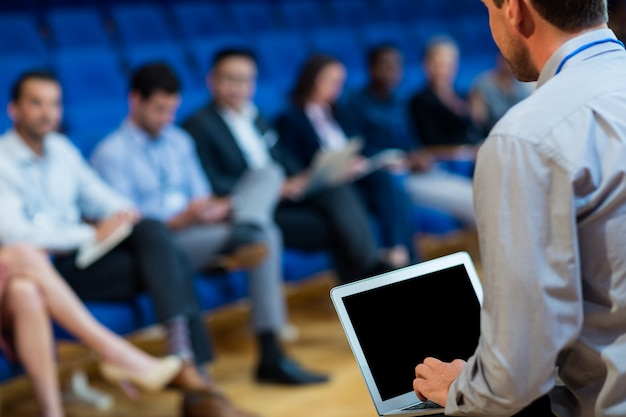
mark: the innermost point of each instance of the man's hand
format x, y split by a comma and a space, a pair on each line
293, 187
358, 166
216, 210
433, 379
206, 210
421, 161
107, 226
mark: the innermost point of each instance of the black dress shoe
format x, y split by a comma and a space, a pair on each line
286, 371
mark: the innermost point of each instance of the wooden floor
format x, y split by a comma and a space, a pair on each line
321, 346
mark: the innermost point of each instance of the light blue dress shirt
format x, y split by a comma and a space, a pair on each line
159, 174
550, 198
43, 200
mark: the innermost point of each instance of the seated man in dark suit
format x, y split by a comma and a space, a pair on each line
232, 138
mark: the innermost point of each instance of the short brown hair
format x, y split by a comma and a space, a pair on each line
570, 15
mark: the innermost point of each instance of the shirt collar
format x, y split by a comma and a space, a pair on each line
139, 136
249, 112
571, 46
22, 153
314, 110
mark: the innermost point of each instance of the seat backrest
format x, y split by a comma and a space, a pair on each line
88, 123
342, 43
90, 76
304, 14
174, 55
202, 20
141, 24
354, 13
395, 34
77, 28
251, 17
280, 55
20, 36
204, 50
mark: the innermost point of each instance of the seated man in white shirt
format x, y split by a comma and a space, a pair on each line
153, 163
47, 190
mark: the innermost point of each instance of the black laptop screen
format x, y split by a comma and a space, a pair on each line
399, 325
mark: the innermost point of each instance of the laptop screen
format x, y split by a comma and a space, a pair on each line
436, 314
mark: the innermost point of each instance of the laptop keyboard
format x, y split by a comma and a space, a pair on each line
422, 406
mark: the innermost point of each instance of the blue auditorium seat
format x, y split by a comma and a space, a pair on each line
77, 28
141, 24
398, 11
90, 76
352, 13
433, 9
192, 100
87, 124
253, 17
120, 317
204, 50
271, 98
199, 21
420, 31
95, 91
435, 222
20, 36
392, 33
7, 369
280, 56
299, 265
171, 53
413, 81
473, 35
304, 14
343, 43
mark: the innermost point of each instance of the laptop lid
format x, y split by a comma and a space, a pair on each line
395, 320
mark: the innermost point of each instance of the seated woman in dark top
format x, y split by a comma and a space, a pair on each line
441, 118
313, 122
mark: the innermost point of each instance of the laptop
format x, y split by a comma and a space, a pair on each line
395, 320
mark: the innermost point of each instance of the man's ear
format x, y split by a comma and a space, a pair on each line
519, 17
210, 80
134, 99
11, 110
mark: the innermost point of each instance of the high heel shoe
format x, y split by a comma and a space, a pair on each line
155, 380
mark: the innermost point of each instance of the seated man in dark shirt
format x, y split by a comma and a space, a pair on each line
381, 118
232, 139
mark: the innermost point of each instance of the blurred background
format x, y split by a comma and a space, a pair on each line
93, 45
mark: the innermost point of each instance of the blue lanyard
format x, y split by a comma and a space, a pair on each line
584, 48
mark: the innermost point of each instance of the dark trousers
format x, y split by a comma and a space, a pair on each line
391, 205
333, 219
147, 261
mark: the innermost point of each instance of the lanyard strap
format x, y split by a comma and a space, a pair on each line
584, 48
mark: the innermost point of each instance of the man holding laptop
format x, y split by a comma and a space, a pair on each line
550, 193
233, 139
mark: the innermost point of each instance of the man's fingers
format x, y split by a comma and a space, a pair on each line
422, 371
432, 362
417, 387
